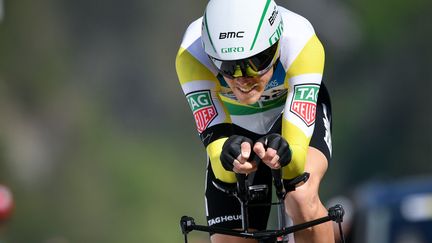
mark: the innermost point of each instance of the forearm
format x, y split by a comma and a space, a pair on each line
299, 143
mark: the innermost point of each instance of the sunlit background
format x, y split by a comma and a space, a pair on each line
97, 142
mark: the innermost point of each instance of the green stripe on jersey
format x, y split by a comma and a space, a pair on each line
238, 109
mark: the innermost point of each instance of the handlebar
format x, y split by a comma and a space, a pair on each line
336, 214
246, 193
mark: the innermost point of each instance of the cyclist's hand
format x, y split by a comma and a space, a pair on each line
236, 152
273, 150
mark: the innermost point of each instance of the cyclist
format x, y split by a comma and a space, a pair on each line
6, 204
251, 72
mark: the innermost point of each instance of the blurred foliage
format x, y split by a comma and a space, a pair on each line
98, 144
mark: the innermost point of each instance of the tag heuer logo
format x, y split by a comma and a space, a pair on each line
304, 102
202, 107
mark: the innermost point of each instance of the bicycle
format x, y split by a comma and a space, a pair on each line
246, 194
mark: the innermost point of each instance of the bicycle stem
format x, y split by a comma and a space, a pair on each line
242, 197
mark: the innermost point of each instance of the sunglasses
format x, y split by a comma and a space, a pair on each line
254, 66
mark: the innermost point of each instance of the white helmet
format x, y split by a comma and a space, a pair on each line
238, 29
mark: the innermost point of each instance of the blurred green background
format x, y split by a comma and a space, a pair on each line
98, 144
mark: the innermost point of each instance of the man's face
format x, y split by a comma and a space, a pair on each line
248, 90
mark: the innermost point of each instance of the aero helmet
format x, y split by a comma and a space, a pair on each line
247, 30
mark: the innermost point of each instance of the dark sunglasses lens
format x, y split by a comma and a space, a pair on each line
228, 68
257, 63
263, 59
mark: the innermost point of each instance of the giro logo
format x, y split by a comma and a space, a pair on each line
202, 107
276, 35
232, 49
230, 35
304, 102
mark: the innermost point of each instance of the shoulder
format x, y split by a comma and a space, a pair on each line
298, 34
192, 63
295, 23
191, 51
192, 33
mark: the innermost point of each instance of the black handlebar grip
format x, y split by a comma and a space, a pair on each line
186, 224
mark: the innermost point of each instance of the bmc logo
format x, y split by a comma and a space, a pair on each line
273, 16
229, 35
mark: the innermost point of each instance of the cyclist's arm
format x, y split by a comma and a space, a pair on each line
303, 81
212, 119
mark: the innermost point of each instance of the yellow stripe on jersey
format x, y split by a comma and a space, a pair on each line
309, 60
298, 144
214, 150
190, 69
